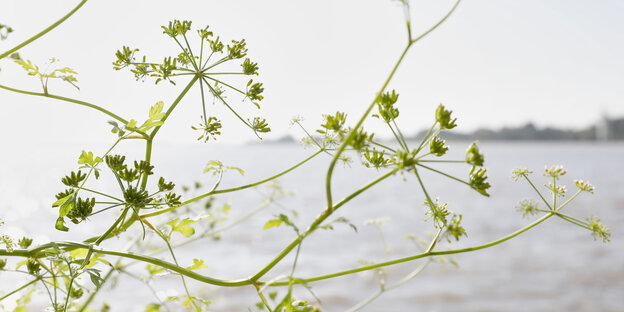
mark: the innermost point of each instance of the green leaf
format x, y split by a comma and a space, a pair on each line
60, 225
272, 223
95, 277
61, 201
197, 264
131, 124
155, 111
237, 169
182, 227
87, 158
28, 66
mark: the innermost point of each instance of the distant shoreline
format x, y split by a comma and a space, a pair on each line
606, 130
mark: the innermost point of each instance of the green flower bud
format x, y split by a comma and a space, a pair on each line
443, 117
437, 147
473, 156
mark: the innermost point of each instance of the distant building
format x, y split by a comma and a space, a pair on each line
610, 129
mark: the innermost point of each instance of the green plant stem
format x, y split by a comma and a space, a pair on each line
425, 138
343, 146
18, 289
311, 137
69, 287
148, 144
104, 236
315, 224
227, 73
422, 255
432, 205
112, 227
404, 280
434, 241
45, 31
568, 201
225, 84
215, 93
61, 98
203, 100
538, 192
443, 173
52, 301
175, 260
233, 189
554, 191
438, 24
396, 137
442, 161
370, 107
222, 60
573, 220
383, 146
37, 252
148, 159
400, 134
262, 298
105, 195
174, 104
192, 57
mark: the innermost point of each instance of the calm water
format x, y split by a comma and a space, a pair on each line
554, 267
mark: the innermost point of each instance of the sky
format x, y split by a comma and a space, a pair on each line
494, 63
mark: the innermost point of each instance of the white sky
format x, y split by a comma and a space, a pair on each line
495, 63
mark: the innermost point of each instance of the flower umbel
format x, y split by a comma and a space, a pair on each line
528, 207
520, 172
554, 171
585, 186
598, 229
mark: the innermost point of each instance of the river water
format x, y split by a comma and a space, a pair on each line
553, 267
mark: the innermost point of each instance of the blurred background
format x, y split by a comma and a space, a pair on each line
537, 83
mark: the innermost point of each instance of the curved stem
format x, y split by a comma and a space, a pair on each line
342, 147
437, 24
324, 215
20, 288
443, 173
233, 189
62, 98
422, 255
45, 31
404, 280
174, 104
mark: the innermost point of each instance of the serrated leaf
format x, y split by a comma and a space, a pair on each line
131, 124
155, 111
182, 227
87, 158
28, 66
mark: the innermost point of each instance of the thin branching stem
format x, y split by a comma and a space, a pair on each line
45, 31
